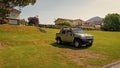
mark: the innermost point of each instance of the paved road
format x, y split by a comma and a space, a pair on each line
113, 65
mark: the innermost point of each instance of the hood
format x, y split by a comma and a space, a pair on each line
85, 36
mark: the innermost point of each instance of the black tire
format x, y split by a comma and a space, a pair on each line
77, 43
89, 44
59, 41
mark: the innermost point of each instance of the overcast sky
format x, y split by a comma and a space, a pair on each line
49, 10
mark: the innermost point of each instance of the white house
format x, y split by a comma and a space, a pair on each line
14, 16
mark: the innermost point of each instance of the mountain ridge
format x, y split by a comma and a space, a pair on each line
95, 19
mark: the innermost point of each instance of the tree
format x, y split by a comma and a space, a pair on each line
7, 5
65, 23
14, 3
33, 21
112, 22
4, 13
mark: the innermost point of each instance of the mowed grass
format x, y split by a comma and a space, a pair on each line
27, 47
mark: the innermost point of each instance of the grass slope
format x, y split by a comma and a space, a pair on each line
27, 47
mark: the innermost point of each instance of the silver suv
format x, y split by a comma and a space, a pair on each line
75, 36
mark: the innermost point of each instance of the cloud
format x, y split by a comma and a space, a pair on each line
48, 10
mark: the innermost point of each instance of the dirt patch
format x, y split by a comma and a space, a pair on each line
80, 57
2, 45
1, 63
73, 58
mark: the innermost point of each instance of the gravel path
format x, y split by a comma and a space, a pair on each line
113, 65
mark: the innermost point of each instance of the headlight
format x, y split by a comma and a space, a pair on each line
83, 37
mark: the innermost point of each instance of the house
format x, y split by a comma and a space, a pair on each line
99, 24
59, 20
76, 22
96, 22
82, 24
14, 16
95, 25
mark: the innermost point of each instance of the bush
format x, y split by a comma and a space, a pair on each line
33, 21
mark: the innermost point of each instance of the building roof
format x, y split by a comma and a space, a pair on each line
15, 10
62, 19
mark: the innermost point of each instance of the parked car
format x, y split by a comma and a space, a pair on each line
75, 36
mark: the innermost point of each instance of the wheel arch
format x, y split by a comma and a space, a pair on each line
76, 38
58, 38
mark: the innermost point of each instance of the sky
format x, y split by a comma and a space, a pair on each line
49, 10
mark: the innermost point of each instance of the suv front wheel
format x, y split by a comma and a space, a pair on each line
77, 43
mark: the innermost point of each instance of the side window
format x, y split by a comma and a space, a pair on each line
69, 32
63, 31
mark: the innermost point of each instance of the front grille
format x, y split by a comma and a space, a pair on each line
87, 40
89, 37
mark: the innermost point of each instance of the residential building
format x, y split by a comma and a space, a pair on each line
14, 16
76, 22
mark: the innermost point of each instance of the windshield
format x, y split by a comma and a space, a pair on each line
78, 31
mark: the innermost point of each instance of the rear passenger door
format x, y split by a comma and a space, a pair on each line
63, 35
69, 36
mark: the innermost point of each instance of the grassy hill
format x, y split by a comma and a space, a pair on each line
27, 47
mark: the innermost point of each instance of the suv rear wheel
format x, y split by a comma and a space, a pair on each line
59, 41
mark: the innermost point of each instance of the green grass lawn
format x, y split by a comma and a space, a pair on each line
27, 47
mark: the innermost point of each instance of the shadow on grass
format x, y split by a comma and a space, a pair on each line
70, 46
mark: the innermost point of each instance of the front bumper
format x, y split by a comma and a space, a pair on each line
87, 41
